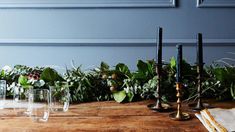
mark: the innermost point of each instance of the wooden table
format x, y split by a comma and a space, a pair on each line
104, 116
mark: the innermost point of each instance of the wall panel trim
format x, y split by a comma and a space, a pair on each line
85, 3
111, 42
215, 3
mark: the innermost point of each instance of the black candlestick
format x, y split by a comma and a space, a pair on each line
199, 105
159, 106
199, 63
179, 115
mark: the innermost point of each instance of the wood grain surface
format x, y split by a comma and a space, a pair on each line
105, 116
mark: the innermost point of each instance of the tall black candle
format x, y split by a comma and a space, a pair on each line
179, 63
199, 49
159, 46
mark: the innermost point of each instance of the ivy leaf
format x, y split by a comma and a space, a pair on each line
119, 96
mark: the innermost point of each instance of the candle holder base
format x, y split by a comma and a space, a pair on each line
181, 117
195, 107
163, 108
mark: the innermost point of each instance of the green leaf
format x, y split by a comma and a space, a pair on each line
23, 80
232, 91
104, 66
139, 75
222, 75
119, 96
142, 66
123, 68
145, 70
150, 68
2, 75
187, 69
173, 63
130, 96
50, 75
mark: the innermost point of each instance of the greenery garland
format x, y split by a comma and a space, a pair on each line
119, 83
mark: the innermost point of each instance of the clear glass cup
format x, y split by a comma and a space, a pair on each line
39, 105
59, 98
2, 93
20, 100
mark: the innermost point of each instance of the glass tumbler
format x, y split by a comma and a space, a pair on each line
59, 98
2, 93
39, 105
20, 100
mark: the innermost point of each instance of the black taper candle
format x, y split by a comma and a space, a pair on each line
199, 105
179, 63
199, 49
159, 46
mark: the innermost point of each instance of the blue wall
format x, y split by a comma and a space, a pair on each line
91, 35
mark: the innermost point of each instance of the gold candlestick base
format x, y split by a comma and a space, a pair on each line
179, 116
163, 108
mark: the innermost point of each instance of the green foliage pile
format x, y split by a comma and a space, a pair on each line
119, 83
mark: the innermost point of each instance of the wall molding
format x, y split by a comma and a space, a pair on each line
86, 3
111, 42
215, 3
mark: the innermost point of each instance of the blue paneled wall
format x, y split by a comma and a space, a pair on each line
91, 35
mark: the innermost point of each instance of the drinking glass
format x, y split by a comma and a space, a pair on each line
59, 98
2, 93
20, 100
39, 105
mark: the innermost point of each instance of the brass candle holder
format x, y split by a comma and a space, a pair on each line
159, 105
179, 115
